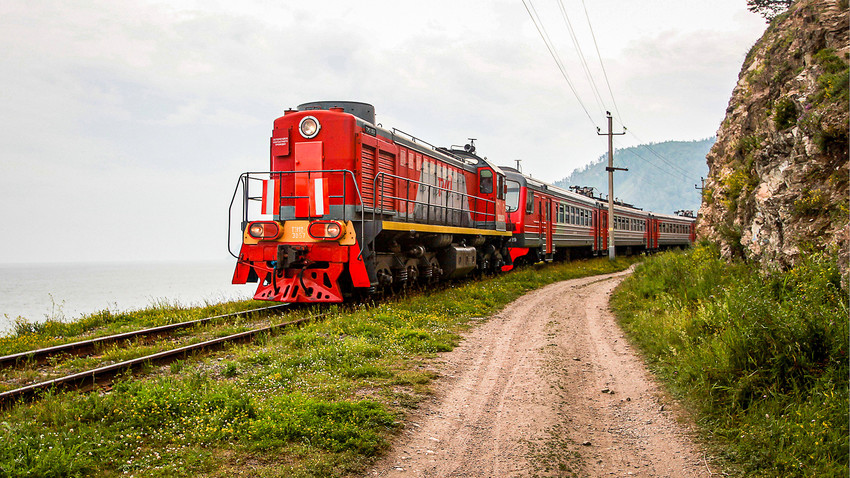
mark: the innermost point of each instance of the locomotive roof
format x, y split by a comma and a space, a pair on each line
364, 115
361, 110
460, 158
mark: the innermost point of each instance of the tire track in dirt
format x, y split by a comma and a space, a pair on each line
547, 387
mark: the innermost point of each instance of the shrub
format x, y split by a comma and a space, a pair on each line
762, 357
813, 201
784, 114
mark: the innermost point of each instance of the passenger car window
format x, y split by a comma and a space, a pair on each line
512, 196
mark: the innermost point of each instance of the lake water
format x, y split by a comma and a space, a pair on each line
37, 292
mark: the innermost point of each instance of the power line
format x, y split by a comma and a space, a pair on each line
599, 101
674, 174
535, 18
686, 174
659, 156
599, 55
674, 170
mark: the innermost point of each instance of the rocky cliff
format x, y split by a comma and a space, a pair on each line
778, 173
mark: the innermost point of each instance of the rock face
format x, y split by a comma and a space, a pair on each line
778, 173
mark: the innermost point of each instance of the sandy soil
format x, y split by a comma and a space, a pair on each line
548, 387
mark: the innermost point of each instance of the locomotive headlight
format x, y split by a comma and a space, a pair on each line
264, 230
309, 127
333, 230
328, 230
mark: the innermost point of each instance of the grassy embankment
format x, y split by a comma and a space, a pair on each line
33, 335
318, 401
761, 358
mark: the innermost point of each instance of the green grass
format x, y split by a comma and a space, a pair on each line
60, 365
762, 358
28, 335
318, 401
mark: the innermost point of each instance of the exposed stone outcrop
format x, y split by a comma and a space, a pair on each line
778, 173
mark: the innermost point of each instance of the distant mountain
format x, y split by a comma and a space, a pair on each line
661, 176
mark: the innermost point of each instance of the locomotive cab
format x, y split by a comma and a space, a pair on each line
490, 186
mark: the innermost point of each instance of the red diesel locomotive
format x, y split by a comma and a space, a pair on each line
352, 207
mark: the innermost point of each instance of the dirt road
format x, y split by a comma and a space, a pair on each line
548, 387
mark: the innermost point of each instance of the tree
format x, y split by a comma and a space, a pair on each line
769, 9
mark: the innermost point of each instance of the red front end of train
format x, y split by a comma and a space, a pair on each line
350, 207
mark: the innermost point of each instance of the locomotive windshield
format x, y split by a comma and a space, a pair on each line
512, 197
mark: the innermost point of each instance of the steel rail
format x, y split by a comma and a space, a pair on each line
84, 347
89, 379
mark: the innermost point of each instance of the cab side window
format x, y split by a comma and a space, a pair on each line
529, 201
485, 181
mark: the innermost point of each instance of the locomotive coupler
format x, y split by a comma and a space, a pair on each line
289, 255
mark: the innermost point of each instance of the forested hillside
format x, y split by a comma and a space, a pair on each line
661, 176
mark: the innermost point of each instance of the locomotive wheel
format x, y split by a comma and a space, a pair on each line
497, 263
385, 277
399, 280
436, 271
412, 273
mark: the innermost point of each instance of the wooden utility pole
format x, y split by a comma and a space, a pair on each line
611, 169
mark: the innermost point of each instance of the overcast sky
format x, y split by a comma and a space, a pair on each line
126, 124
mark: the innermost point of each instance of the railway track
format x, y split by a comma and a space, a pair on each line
85, 347
104, 375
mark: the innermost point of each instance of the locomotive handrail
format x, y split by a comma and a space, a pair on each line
380, 197
444, 215
245, 181
437, 149
413, 138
